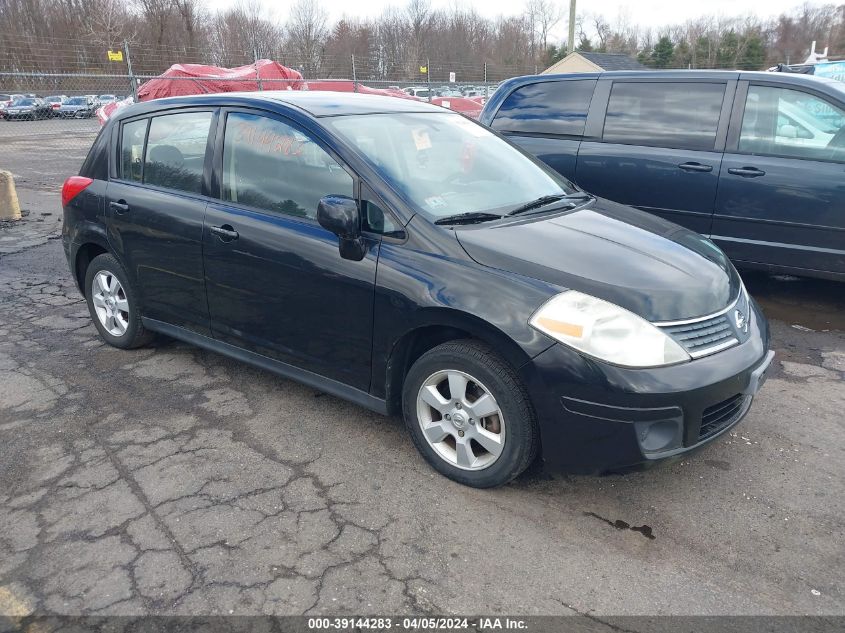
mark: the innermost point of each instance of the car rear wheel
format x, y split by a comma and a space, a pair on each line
469, 415
113, 304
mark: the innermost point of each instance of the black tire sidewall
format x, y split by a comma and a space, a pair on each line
134, 330
520, 430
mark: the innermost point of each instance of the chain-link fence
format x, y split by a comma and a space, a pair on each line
52, 90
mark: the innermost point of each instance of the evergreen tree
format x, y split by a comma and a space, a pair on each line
663, 52
753, 55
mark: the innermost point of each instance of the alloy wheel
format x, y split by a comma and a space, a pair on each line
461, 420
110, 303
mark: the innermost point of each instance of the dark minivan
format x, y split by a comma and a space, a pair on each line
753, 160
410, 260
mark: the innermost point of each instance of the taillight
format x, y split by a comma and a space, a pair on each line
73, 187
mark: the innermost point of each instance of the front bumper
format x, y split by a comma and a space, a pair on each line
597, 418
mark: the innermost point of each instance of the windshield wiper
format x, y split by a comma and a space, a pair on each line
471, 217
542, 201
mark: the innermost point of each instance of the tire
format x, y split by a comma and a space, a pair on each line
127, 331
513, 426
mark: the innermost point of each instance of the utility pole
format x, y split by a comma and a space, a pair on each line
571, 42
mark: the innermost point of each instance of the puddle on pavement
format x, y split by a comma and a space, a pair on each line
817, 304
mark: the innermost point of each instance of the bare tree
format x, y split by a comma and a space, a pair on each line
544, 16
307, 30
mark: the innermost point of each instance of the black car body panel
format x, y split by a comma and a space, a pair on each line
752, 160
274, 290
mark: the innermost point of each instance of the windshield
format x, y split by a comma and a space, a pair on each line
444, 164
24, 102
77, 101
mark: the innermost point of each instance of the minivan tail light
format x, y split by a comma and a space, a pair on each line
73, 187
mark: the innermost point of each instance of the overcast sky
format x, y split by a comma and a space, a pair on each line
654, 12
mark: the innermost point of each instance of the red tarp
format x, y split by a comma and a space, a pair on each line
192, 79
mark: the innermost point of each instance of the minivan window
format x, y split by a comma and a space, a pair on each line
176, 151
549, 107
785, 122
444, 164
664, 114
132, 150
273, 166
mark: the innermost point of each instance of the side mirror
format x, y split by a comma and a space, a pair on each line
340, 215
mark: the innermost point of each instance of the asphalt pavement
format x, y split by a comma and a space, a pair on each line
171, 480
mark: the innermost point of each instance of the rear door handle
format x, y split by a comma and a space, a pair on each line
119, 207
746, 172
695, 167
226, 233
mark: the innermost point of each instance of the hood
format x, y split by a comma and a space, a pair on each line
652, 267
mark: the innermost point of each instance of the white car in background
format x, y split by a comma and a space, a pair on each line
419, 91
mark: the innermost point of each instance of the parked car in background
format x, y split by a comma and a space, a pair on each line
105, 99
6, 100
55, 102
753, 160
77, 108
417, 91
406, 258
28, 108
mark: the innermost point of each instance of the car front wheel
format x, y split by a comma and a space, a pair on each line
469, 414
113, 304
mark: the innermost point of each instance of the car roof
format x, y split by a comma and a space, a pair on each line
317, 103
786, 78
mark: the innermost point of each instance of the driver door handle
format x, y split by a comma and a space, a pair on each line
746, 172
226, 233
695, 167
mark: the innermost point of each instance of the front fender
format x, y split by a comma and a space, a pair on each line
417, 288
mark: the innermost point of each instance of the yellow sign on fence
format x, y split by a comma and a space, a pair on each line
423, 69
115, 56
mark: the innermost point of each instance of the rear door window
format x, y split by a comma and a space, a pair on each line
680, 115
548, 107
786, 122
175, 152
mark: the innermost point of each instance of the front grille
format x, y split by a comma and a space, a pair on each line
703, 337
721, 415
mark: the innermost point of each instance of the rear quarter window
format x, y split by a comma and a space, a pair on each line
548, 107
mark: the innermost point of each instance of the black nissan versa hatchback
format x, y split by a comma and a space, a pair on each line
406, 258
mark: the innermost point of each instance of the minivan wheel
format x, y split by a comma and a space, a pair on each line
469, 415
113, 305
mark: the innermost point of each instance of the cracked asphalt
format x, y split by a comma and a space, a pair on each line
170, 480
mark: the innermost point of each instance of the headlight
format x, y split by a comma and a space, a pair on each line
606, 331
